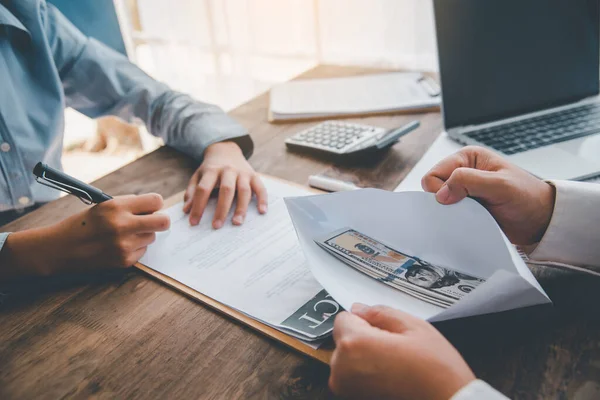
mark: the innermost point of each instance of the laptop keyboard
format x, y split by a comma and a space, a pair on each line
528, 134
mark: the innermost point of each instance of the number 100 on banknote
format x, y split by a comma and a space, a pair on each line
431, 283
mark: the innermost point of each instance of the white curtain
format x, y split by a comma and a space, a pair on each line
388, 33
227, 51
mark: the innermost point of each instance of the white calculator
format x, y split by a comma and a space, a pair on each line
341, 138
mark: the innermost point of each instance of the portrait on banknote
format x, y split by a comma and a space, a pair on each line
435, 284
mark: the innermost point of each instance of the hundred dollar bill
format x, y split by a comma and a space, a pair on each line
440, 301
438, 285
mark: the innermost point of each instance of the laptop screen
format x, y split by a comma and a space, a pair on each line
502, 58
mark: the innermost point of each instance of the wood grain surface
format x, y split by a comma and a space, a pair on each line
122, 334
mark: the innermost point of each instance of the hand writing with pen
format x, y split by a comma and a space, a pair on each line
116, 233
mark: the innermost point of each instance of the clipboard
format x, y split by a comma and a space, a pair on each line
419, 110
323, 354
353, 96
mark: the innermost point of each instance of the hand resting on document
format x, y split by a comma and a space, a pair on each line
224, 167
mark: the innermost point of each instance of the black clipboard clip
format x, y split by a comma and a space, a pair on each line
430, 86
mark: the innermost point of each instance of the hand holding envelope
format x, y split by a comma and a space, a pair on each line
462, 237
521, 204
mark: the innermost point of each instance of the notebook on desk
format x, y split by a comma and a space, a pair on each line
255, 273
353, 96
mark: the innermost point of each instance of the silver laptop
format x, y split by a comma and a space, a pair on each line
522, 77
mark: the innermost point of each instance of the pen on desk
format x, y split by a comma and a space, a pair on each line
330, 184
393, 135
58, 180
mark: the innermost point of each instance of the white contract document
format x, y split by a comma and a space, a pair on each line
257, 268
461, 237
357, 95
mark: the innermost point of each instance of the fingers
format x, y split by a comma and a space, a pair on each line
135, 256
231, 182
262, 198
144, 240
150, 223
348, 325
226, 195
142, 204
469, 157
245, 187
201, 195
472, 172
439, 174
244, 195
189, 192
465, 182
386, 318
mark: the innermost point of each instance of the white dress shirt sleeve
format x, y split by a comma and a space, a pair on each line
478, 390
573, 235
3, 237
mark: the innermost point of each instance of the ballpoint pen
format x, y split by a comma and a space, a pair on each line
330, 184
58, 180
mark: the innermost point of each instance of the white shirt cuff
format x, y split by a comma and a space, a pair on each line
573, 234
3, 236
478, 390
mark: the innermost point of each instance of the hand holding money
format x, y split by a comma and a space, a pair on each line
382, 353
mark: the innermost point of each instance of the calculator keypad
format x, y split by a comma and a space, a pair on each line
335, 136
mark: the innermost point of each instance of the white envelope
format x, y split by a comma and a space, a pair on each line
464, 237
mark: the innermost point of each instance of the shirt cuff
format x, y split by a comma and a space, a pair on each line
209, 126
573, 233
478, 390
191, 126
3, 237
244, 142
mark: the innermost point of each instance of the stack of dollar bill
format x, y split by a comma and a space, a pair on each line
437, 285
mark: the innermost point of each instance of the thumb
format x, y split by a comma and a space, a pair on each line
470, 182
348, 325
145, 203
386, 318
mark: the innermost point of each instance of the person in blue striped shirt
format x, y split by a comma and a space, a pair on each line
47, 64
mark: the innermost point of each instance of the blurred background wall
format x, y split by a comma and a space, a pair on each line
228, 51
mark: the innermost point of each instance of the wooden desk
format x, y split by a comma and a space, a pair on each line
124, 335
